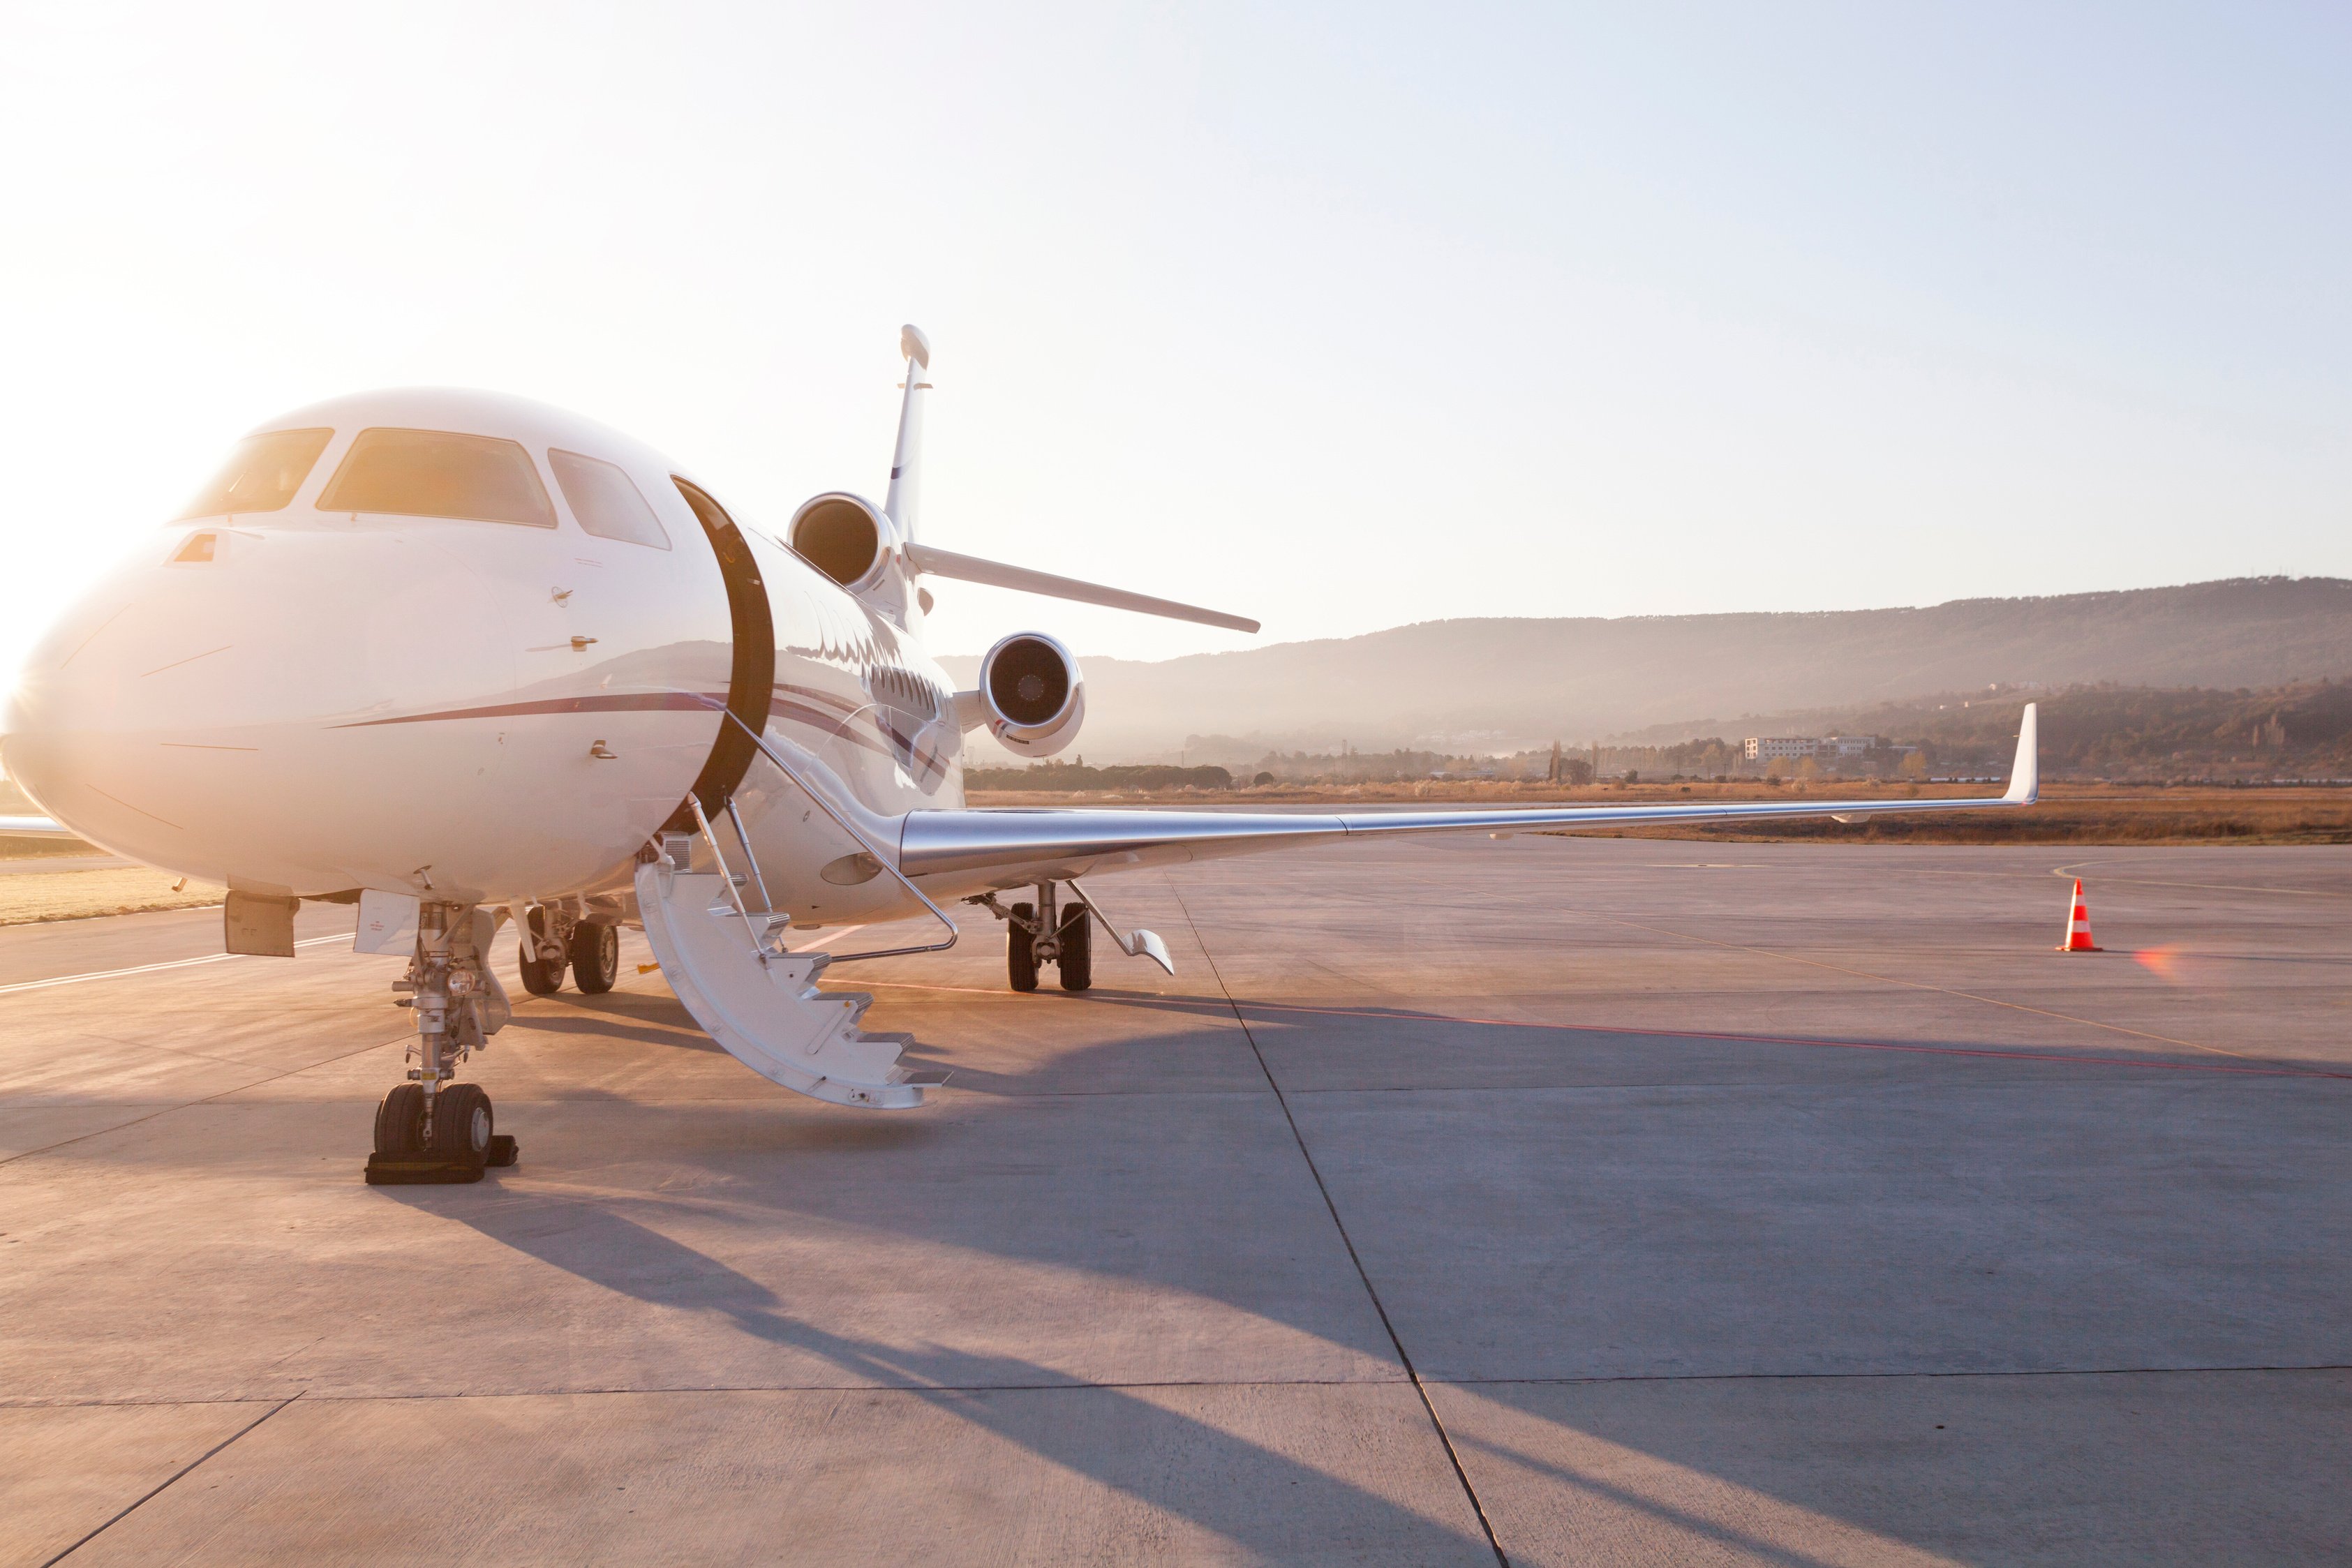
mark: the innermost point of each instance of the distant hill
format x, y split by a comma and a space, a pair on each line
1501, 685
2113, 731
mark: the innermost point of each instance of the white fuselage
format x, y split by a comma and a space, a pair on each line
304, 702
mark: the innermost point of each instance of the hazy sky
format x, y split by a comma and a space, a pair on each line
1339, 316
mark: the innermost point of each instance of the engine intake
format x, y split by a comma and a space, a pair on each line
846, 537
1033, 694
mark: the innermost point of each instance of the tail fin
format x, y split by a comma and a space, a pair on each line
905, 497
906, 494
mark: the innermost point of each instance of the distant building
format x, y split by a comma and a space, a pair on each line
1772, 748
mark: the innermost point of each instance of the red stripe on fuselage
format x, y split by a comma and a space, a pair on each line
833, 717
613, 702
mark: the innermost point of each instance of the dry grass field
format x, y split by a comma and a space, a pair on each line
2069, 813
108, 888
65, 879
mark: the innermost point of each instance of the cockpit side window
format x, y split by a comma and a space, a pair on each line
605, 500
439, 474
262, 475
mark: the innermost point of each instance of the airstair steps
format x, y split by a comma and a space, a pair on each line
764, 1007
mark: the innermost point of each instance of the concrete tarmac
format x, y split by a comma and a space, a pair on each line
1543, 1199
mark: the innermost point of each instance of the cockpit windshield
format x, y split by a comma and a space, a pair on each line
605, 500
439, 474
262, 475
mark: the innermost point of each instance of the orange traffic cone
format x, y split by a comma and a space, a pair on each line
2078, 927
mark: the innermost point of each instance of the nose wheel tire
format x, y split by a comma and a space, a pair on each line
1020, 950
1077, 960
462, 1123
400, 1121
464, 1143
595, 957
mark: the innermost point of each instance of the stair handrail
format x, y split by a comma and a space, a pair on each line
726, 874
873, 852
767, 905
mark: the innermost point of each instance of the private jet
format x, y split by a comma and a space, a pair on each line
466, 662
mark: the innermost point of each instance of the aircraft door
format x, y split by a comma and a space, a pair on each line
751, 664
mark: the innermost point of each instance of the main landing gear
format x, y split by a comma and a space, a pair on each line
555, 939
1035, 933
430, 1129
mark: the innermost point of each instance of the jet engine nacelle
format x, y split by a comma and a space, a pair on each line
846, 537
1032, 693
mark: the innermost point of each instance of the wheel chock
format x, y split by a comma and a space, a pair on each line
422, 1170
407, 1170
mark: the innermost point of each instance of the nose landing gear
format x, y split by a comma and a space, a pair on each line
430, 1130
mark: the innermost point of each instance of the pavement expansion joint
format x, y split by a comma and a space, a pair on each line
2152, 1371
689, 1390
677, 1390
1429, 1408
170, 1481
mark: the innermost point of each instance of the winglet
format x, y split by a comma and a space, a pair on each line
2025, 773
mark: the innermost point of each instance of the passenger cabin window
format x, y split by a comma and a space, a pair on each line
607, 503
262, 475
439, 474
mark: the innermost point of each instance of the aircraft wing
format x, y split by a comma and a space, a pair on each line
1006, 847
32, 828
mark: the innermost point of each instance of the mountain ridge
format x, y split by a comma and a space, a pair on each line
1503, 683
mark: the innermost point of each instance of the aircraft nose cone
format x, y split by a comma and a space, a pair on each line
181, 702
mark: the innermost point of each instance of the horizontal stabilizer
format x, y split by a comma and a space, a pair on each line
939, 562
32, 828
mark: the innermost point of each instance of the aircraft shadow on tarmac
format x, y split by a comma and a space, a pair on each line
1538, 1044
616, 1241
1157, 1456
595, 1243
597, 1240
1157, 1448
592, 1239
607, 1023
